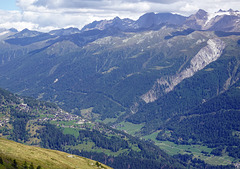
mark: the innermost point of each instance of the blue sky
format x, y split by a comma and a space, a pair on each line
8, 5
45, 15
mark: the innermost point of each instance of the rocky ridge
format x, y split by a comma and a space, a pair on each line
218, 21
202, 20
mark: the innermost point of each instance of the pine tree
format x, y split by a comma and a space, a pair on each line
25, 166
39, 167
31, 166
98, 164
14, 164
1, 160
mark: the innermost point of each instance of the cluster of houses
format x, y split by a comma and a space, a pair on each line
237, 165
25, 107
4, 121
63, 116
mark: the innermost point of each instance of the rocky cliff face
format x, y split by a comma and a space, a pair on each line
205, 56
196, 21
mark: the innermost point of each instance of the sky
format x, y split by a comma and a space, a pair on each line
46, 15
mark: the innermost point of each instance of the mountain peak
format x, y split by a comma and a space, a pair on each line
220, 10
228, 12
25, 30
13, 30
232, 11
67, 31
201, 20
151, 19
201, 14
25, 33
116, 18
122, 24
201, 11
218, 21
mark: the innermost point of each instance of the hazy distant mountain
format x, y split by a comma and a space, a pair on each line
148, 20
27, 37
121, 24
152, 19
11, 30
26, 33
61, 32
219, 21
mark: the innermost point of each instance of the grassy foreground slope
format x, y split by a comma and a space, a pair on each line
39, 157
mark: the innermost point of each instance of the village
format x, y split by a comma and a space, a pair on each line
47, 115
62, 116
55, 115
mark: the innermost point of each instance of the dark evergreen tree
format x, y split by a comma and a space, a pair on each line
25, 166
14, 164
39, 167
98, 164
31, 166
1, 160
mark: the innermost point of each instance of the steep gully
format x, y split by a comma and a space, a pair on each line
208, 54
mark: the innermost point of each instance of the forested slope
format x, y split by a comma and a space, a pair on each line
44, 124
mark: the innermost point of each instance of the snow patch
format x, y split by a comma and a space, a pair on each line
220, 13
4, 33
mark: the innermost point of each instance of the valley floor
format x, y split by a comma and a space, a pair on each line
199, 151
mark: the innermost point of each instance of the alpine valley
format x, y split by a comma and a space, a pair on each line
167, 79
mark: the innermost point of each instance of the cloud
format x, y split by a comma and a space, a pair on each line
44, 15
100, 4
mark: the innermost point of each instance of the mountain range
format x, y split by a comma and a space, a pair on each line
219, 21
166, 77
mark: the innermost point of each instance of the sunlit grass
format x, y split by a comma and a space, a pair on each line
44, 157
130, 128
173, 149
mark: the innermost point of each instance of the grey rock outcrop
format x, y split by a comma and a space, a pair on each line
205, 56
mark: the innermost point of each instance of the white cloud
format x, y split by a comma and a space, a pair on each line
188, 8
44, 15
